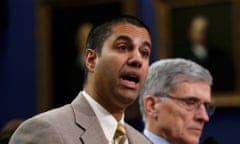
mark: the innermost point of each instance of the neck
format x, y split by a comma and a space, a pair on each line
116, 111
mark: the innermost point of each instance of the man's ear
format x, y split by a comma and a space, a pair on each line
90, 59
150, 106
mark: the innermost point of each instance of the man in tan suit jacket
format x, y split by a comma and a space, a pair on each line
75, 123
116, 58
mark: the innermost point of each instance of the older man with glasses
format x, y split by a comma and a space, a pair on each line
176, 101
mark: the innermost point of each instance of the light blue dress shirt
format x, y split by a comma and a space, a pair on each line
155, 139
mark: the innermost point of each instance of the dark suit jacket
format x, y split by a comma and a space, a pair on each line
75, 123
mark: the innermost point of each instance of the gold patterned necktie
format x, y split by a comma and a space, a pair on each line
120, 136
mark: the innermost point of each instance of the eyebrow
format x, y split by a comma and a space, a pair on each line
188, 97
146, 43
124, 37
128, 39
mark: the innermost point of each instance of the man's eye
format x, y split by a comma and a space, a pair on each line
191, 101
145, 53
208, 106
123, 47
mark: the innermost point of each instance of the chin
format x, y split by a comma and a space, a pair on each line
129, 97
193, 141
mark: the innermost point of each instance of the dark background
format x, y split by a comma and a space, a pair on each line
221, 62
18, 76
220, 21
67, 76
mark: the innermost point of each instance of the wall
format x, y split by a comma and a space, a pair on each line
224, 126
17, 59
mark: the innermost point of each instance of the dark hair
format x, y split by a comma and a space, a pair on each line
100, 33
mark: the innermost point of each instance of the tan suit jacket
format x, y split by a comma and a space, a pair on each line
75, 123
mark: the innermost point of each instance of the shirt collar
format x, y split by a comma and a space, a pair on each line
107, 121
155, 139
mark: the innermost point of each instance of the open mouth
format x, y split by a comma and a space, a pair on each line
131, 77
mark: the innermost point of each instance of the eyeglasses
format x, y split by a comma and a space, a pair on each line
193, 103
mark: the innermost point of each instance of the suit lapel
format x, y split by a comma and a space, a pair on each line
130, 134
87, 121
135, 137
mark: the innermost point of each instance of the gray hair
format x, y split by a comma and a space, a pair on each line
164, 76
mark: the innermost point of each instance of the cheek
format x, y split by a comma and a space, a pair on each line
183, 118
178, 121
183, 123
108, 62
144, 71
113, 59
106, 66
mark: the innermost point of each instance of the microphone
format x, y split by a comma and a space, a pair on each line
210, 140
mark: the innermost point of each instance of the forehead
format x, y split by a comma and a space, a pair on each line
131, 30
201, 90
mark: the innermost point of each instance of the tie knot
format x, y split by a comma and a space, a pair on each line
120, 136
120, 130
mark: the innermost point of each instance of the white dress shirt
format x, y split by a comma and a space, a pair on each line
107, 121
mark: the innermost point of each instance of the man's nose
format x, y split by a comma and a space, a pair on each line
202, 113
135, 59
